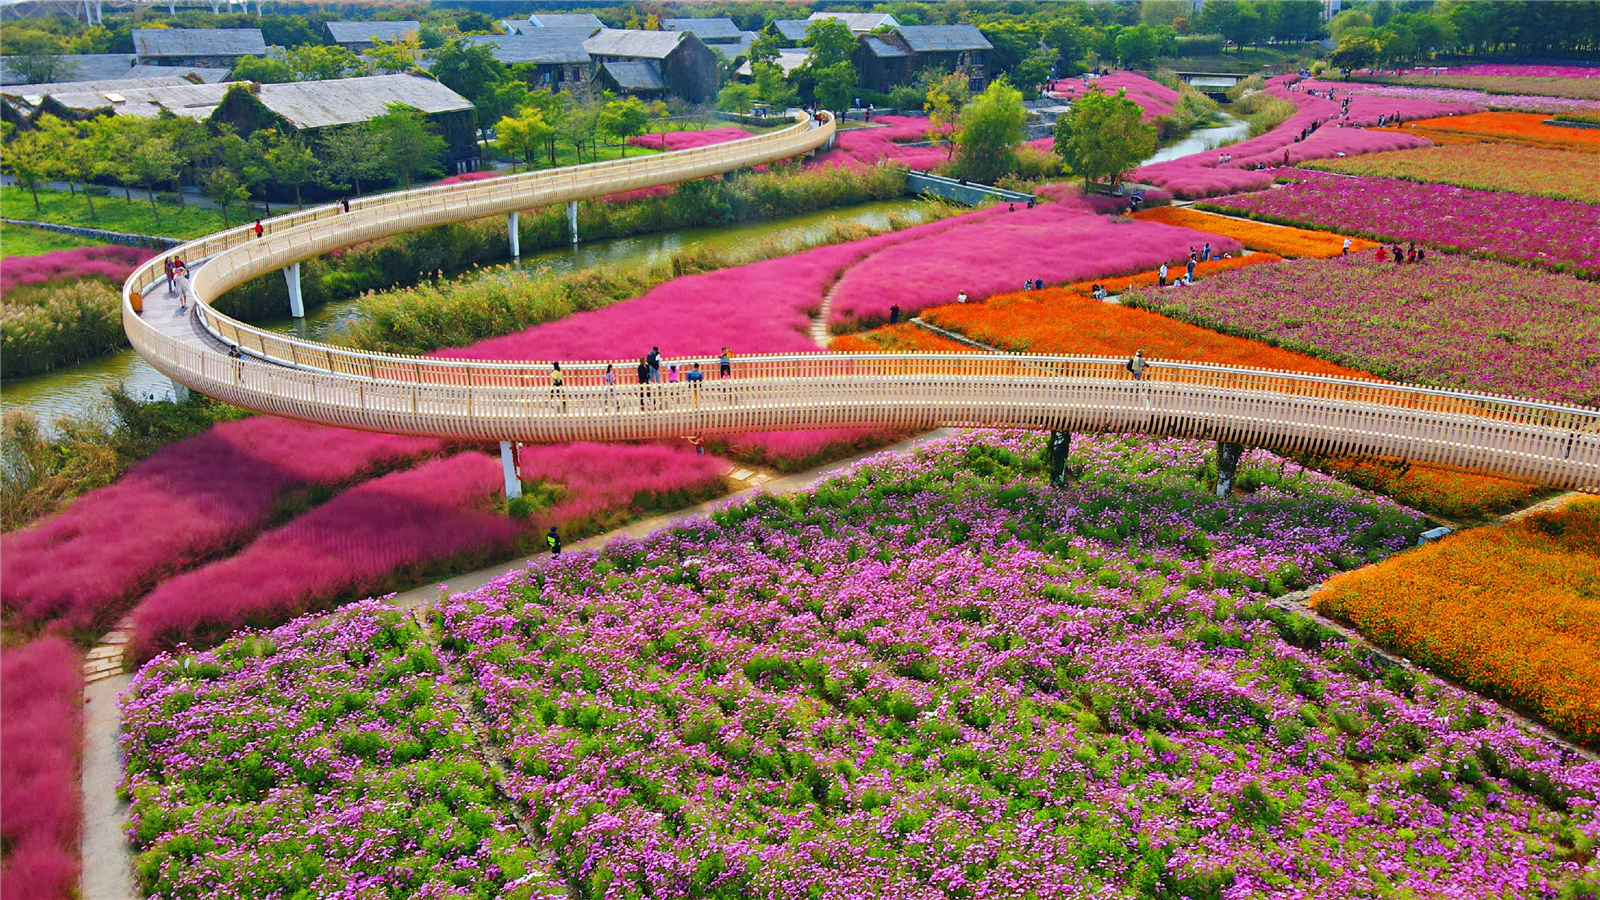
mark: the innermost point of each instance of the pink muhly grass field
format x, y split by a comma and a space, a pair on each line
41, 706
1058, 242
190, 501
1200, 175
1155, 98
112, 262
688, 140
464, 177
362, 541
604, 480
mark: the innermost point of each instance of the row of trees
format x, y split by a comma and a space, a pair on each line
546, 121
171, 151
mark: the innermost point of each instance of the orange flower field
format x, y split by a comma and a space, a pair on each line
1279, 239
1059, 320
1145, 279
1525, 627
1511, 127
902, 338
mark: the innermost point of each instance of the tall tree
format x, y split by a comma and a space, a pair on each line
153, 162
835, 85
289, 160
468, 69
410, 145
315, 62
736, 97
36, 56
831, 43
224, 189
523, 134
30, 159
262, 71
349, 154
389, 57
1103, 136
623, 119
992, 126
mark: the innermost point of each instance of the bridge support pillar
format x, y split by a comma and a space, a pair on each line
180, 393
297, 306
572, 219
1228, 454
1059, 446
515, 234
508, 464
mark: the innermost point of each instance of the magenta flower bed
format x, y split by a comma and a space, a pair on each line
190, 501
601, 479
1452, 322
885, 142
688, 140
1521, 102
1507, 70
356, 544
41, 726
1156, 99
112, 262
1201, 175
1059, 242
1557, 234
469, 176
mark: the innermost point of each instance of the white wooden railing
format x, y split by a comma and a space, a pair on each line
1558, 445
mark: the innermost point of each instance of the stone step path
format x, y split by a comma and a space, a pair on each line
106, 658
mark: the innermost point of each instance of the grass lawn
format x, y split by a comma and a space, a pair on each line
20, 240
566, 156
113, 213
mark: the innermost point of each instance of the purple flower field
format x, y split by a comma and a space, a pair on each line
1451, 322
1520, 102
931, 675
325, 759
1556, 234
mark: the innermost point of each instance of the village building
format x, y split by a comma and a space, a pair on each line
359, 36
654, 63
895, 57
557, 55
216, 48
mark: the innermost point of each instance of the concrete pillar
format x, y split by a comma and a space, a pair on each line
297, 306
1228, 454
1060, 445
508, 464
180, 393
572, 219
516, 235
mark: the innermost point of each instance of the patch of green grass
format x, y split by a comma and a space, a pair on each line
566, 156
114, 213
20, 240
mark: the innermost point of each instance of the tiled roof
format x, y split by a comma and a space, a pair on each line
77, 67
792, 29
344, 101
943, 38
362, 32
883, 49
180, 42
634, 76
704, 29
567, 20
543, 46
860, 23
635, 44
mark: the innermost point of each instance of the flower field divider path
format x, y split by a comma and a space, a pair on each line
1297, 603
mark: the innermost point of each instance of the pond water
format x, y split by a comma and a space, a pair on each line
79, 388
1232, 128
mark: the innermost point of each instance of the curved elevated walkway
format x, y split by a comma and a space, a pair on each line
1557, 445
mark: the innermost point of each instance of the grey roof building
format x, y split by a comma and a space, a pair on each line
860, 23
211, 47
885, 60
712, 30
637, 77
567, 20
74, 67
681, 61
360, 36
561, 48
205, 75
793, 30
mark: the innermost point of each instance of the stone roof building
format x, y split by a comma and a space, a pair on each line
561, 63
567, 20
71, 67
895, 57
217, 48
859, 23
359, 36
682, 63
711, 30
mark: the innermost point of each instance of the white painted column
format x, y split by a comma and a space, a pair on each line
180, 393
297, 306
508, 464
572, 219
516, 235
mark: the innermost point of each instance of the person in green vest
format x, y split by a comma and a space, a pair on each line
554, 540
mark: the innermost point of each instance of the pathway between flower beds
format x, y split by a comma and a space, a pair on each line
107, 857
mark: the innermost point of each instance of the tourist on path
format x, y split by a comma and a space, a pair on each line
258, 228
1136, 365
167, 265
894, 314
654, 361
694, 376
961, 297
610, 380
1189, 270
724, 364
553, 541
556, 381
1346, 250
1161, 274
644, 381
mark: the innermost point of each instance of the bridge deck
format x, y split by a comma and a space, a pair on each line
316, 382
